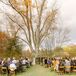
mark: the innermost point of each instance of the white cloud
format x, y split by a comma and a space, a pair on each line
67, 12
68, 16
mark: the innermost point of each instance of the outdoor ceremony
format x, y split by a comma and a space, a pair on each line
37, 38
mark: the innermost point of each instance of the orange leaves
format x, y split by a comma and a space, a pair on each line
3, 41
2, 36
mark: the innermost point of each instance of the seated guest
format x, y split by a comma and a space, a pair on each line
12, 67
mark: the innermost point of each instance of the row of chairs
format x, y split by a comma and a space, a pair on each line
72, 69
4, 70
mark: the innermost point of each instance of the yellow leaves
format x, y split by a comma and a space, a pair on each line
14, 2
22, 12
28, 2
71, 50
22, 6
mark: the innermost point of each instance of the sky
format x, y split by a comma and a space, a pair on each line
67, 14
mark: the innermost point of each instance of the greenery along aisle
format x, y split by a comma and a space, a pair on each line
38, 70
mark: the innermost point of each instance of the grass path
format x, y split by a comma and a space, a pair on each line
38, 70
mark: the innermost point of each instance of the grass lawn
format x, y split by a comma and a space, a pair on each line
38, 70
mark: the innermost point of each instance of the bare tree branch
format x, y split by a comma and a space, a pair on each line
5, 3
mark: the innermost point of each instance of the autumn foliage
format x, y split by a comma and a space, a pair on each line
9, 46
21, 5
3, 43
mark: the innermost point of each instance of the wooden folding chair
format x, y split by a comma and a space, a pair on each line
4, 70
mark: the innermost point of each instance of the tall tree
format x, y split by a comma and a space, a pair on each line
34, 18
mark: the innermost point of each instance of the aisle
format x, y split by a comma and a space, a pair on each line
37, 70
